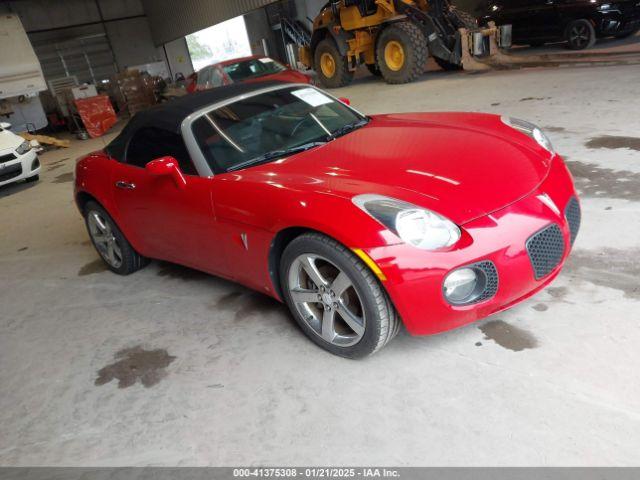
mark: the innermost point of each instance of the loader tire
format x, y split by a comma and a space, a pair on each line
402, 52
331, 67
464, 19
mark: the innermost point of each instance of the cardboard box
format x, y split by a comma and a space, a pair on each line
84, 91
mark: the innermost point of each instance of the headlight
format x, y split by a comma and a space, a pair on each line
23, 148
416, 226
604, 7
530, 130
460, 285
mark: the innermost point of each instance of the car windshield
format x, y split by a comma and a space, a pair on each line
256, 67
271, 125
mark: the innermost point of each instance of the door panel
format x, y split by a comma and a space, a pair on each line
569, 10
167, 222
531, 19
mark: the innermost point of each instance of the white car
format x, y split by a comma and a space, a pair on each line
18, 161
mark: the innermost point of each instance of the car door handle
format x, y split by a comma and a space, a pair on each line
125, 185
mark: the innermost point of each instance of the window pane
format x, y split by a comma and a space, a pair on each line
272, 121
152, 143
216, 77
256, 67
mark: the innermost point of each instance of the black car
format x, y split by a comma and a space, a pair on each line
579, 22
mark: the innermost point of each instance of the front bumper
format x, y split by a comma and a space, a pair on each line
616, 21
19, 167
415, 277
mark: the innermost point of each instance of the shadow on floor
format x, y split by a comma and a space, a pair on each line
17, 187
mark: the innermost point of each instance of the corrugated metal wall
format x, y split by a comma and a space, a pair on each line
170, 19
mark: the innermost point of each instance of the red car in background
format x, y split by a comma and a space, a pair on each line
256, 68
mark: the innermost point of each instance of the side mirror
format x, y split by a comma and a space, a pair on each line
345, 100
167, 166
5, 125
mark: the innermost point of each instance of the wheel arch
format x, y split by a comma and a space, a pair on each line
286, 235
340, 39
316, 37
83, 197
591, 20
279, 243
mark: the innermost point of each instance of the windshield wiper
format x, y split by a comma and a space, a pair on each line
272, 155
348, 128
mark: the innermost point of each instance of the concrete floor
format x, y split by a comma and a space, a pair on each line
553, 381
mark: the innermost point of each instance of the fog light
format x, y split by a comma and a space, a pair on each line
460, 285
35, 164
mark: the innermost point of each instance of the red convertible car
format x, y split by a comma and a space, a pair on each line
359, 223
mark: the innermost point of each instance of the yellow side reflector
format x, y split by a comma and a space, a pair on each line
370, 263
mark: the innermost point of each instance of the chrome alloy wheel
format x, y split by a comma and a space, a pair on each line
104, 240
326, 299
579, 35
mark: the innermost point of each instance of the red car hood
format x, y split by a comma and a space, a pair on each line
460, 165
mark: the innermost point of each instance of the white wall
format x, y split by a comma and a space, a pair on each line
308, 9
130, 38
178, 57
257, 29
131, 42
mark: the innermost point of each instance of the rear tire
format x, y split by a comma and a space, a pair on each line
363, 301
580, 34
402, 52
331, 67
110, 243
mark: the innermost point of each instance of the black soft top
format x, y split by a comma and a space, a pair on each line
169, 116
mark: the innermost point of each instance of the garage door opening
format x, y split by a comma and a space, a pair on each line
219, 42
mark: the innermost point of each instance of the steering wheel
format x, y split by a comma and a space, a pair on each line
299, 124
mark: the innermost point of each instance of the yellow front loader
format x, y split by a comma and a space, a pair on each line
394, 39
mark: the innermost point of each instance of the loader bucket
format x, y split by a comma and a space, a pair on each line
481, 48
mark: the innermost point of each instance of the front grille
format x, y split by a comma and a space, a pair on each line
7, 158
545, 250
10, 172
573, 215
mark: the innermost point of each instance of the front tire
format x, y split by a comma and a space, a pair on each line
335, 298
331, 67
32, 179
580, 34
110, 243
402, 52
